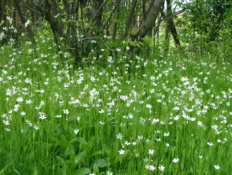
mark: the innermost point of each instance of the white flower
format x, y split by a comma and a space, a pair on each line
175, 160
2, 35
121, 152
66, 111
210, 144
119, 136
184, 79
155, 121
42, 116
109, 173
57, 15
27, 23
101, 123
151, 151
148, 106
161, 168
76, 131
151, 167
36, 127
6, 122
58, 116
9, 19
23, 113
130, 116
217, 167
19, 99
93, 41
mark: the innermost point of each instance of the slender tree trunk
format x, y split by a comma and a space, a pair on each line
1, 11
157, 35
129, 19
22, 18
167, 39
144, 10
171, 24
149, 23
116, 18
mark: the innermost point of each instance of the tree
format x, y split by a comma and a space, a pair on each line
74, 23
203, 20
149, 23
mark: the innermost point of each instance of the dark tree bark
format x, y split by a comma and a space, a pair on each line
144, 10
129, 19
171, 24
46, 12
22, 18
71, 34
150, 7
97, 12
148, 24
116, 19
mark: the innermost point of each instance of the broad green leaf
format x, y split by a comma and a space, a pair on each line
72, 141
97, 152
106, 149
61, 160
80, 157
2, 172
69, 150
120, 157
83, 171
101, 163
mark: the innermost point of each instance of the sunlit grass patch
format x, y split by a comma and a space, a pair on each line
153, 116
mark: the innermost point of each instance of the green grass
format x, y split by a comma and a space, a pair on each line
168, 115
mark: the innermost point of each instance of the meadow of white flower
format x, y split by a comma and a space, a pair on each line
156, 116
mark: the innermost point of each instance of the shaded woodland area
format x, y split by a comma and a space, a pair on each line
75, 23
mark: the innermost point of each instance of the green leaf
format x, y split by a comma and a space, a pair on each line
69, 150
83, 171
82, 140
72, 118
35, 171
95, 169
120, 157
61, 160
79, 158
97, 152
63, 142
2, 172
106, 149
101, 163
72, 141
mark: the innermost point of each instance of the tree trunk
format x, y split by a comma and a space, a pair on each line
22, 18
129, 19
149, 23
144, 10
116, 18
171, 24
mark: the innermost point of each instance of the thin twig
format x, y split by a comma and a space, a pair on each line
33, 10
98, 11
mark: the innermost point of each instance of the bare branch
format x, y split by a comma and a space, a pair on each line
98, 12
33, 10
